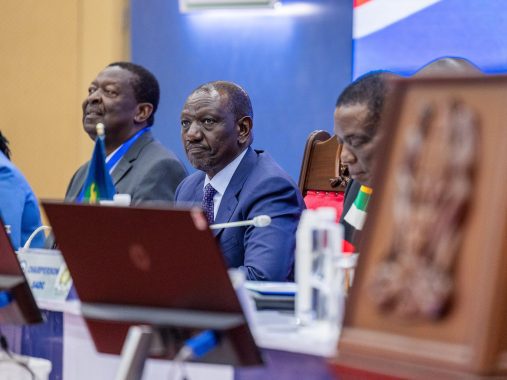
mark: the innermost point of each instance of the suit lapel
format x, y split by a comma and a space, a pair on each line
230, 198
127, 161
199, 192
78, 184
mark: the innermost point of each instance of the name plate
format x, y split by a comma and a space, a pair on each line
46, 272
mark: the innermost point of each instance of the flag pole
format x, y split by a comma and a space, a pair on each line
100, 130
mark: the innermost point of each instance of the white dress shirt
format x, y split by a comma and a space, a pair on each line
110, 155
221, 180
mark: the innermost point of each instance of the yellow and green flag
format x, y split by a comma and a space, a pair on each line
98, 184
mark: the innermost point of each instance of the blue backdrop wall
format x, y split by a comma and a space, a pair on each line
407, 41
293, 61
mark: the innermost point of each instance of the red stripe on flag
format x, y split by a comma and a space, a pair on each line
358, 3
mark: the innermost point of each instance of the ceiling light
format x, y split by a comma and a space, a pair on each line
201, 5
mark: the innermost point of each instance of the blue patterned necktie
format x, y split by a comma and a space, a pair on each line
207, 202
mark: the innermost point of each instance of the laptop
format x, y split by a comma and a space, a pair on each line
17, 304
154, 258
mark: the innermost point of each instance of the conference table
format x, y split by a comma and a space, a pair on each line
289, 352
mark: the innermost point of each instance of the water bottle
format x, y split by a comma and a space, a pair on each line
304, 262
318, 240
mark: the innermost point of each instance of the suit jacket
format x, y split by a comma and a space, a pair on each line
147, 171
259, 186
18, 206
350, 233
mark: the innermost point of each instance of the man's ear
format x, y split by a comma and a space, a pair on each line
144, 111
245, 125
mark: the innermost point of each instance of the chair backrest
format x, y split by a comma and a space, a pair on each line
321, 169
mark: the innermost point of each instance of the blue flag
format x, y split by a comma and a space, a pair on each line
99, 184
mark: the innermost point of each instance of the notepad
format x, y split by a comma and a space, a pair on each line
272, 295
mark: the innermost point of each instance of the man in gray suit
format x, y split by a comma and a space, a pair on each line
124, 97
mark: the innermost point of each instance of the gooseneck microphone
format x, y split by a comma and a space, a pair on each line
257, 221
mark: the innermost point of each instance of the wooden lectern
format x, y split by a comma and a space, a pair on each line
429, 298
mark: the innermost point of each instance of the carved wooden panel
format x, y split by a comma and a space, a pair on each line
430, 291
434, 183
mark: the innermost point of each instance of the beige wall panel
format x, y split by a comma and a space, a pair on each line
50, 52
105, 38
39, 45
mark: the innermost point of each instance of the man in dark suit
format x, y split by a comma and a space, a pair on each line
356, 121
236, 182
124, 97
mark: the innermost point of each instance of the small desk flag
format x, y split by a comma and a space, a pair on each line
98, 184
356, 216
